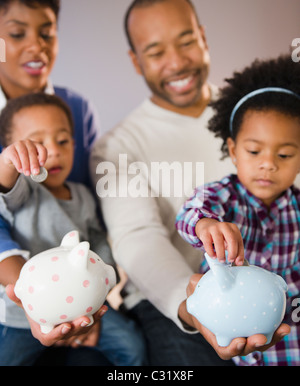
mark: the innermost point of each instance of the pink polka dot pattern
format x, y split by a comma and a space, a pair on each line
55, 278
63, 284
86, 283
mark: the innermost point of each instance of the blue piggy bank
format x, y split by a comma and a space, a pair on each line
238, 301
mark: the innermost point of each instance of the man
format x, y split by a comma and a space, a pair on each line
152, 163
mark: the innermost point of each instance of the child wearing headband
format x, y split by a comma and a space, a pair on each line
255, 214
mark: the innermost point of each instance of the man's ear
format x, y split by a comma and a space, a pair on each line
135, 62
203, 35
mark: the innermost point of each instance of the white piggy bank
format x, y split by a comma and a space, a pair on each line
64, 283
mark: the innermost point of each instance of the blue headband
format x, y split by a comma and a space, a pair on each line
254, 93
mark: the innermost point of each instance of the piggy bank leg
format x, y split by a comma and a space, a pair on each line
46, 328
223, 341
269, 337
91, 320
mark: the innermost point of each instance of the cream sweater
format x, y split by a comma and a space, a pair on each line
125, 162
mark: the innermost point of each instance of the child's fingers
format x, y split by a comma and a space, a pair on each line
207, 242
219, 245
235, 246
217, 238
228, 238
213, 243
42, 154
29, 154
12, 157
22, 152
34, 150
240, 258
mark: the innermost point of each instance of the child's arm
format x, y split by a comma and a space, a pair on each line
217, 237
204, 221
20, 157
10, 269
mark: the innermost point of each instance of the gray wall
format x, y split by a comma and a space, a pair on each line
93, 56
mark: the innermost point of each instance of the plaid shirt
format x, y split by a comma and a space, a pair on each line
271, 240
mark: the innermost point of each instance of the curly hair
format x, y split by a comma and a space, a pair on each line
53, 4
280, 72
15, 105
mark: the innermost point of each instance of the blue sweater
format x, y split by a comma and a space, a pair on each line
86, 130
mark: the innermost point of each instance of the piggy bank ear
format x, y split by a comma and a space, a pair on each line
70, 240
78, 257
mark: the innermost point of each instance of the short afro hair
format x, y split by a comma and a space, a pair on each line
279, 72
15, 105
143, 4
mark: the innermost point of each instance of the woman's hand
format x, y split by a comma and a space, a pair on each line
65, 332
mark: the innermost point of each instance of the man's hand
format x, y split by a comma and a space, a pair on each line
238, 346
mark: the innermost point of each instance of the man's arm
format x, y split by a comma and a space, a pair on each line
141, 243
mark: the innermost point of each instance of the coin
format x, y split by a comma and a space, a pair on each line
41, 177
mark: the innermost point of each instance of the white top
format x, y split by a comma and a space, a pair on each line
145, 242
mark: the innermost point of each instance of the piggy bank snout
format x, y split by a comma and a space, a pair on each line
98, 269
281, 282
111, 275
18, 289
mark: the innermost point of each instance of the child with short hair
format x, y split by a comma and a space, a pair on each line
256, 213
37, 130
30, 31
